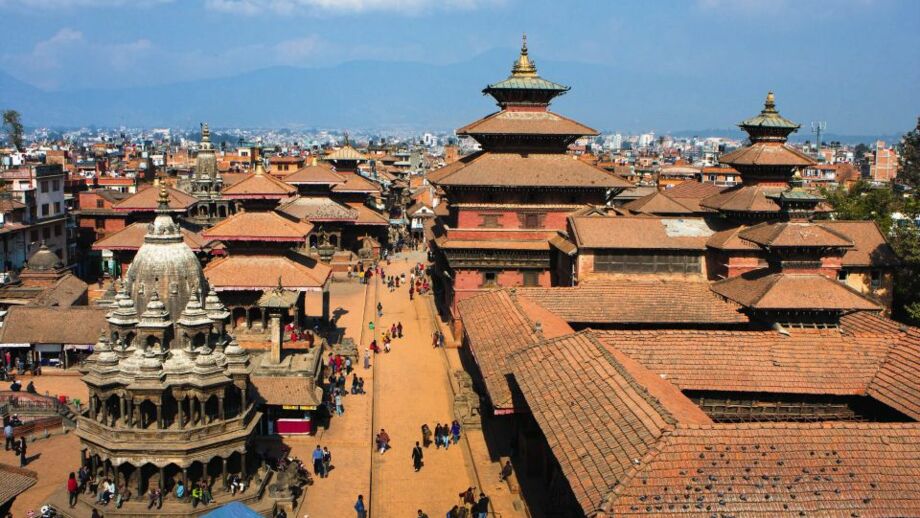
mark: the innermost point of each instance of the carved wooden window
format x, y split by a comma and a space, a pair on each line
490, 221
531, 278
629, 262
489, 279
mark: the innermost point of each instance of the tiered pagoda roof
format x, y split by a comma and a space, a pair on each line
259, 185
766, 166
259, 226
314, 174
767, 290
534, 170
148, 200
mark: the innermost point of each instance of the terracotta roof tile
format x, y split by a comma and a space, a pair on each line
132, 237
574, 387
356, 183
314, 175
288, 390
640, 233
794, 234
148, 200
367, 215
763, 290
729, 240
897, 383
776, 469
496, 325
871, 248
804, 362
661, 204
508, 122
691, 189
69, 325
632, 301
255, 186
767, 154
317, 208
744, 198
346, 152
525, 169
14, 481
258, 226
261, 272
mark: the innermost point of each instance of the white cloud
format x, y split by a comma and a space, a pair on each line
50, 62
71, 4
250, 7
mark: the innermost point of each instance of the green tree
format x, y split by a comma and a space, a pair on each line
905, 240
13, 127
864, 202
909, 157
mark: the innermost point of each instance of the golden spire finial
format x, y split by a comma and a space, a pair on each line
524, 67
260, 169
769, 105
164, 195
205, 132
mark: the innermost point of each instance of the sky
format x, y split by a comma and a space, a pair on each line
866, 51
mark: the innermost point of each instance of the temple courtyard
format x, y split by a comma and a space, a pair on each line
413, 384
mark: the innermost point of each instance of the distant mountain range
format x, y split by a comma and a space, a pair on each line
396, 95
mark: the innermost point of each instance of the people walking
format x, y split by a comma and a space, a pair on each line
399, 330
8, 435
318, 461
426, 435
417, 457
383, 441
359, 507
455, 431
327, 461
22, 452
481, 508
379, 310
367, 359
72, 488
506, 471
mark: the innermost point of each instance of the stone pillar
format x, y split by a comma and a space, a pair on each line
277, 338
94, 464
223, 472
162, 478
244, 469
140, 483
185, 480
220, 408
181, 413
326, 298
201, 411
159, 415
92, 406
122, 409
243, 401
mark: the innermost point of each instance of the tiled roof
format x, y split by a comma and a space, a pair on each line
314, 175
525, 170
897, 383
804, 362
744, 198
53, 325
640, 233
497, 324
367, 215
776, 469
632, 301
507, 122
132, 237
661, 204
288, 390
258, 186
870, 248
258, 226
728, 239
355, 183
317, 208
261, 272
767, 154
346, 152
598, 420
859, 322
763, 290
794, 234
148, 200
8, 204
14, 481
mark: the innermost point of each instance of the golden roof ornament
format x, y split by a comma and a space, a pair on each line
769, 105
524, 67
205, 132
260, 169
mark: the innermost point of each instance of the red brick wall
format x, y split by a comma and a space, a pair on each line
473, 218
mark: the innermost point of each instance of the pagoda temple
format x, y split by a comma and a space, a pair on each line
508, 202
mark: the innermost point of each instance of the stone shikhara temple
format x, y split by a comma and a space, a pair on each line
170, 391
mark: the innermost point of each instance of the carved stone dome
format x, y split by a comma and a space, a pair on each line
165, 265
44, 260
